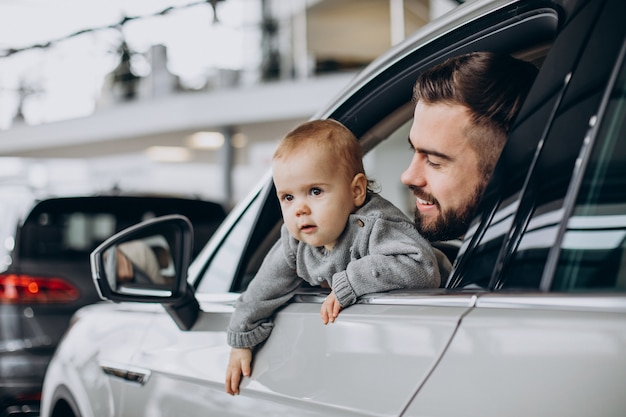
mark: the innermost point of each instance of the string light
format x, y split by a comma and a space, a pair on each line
213, 3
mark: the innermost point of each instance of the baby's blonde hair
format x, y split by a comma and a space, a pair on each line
330, 137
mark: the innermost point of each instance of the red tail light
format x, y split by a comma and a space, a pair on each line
29, 397
18, 288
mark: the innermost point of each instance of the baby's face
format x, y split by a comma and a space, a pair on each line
315, 197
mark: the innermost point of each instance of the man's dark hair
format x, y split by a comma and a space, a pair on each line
491, 86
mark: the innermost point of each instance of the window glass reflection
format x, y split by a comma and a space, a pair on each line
593, 251
140, 263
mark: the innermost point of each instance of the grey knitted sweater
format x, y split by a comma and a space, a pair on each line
379, 250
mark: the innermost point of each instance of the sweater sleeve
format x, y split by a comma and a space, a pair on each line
394, 257
273, 285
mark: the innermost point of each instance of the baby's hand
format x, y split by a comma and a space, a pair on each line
330, 308
238, 364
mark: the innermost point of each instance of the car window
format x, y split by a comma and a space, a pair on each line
70, 228
65, 235
508, 246
242, 250
593, 248
380, 115
220, 273
385, 163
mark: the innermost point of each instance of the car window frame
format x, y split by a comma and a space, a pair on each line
508, 204
592, 139
387, 94
579, 89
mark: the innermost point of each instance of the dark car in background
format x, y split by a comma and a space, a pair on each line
48, 277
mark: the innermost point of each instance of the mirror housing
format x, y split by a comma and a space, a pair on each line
148, 263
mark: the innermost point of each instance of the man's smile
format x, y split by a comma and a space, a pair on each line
424, 202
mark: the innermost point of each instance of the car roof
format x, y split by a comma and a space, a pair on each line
128, 206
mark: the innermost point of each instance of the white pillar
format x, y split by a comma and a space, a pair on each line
440, 7
396, 20
301, 63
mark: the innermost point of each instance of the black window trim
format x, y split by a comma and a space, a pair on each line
524, 202
591, 138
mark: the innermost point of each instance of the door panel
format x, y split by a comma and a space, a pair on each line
532, 356
371, 349
90, 353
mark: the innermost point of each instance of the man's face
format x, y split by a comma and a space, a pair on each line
443, 174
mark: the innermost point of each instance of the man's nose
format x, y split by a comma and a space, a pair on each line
414, 174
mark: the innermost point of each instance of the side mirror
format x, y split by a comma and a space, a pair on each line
148, 263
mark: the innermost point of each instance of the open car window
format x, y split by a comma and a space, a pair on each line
380, 115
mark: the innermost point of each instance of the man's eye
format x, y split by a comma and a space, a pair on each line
432, 164
316, 191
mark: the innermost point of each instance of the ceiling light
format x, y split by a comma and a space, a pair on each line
205, 140
239, 140
168, 153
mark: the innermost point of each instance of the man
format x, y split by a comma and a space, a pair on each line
463, 113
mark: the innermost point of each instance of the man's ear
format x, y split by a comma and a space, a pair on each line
359, 189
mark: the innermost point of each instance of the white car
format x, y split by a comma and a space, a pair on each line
532, 321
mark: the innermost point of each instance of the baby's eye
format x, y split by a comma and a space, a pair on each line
316, 191
287, 197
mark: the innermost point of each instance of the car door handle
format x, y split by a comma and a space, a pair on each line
132, 374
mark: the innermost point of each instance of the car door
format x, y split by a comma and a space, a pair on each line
380, 351
550, 337
387, 344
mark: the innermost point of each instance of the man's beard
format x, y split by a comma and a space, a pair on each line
450, 224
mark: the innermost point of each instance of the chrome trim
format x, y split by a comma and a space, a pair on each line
217, 302
430, 298
591, 302
148, 292
128, 373
443, 300
228, 298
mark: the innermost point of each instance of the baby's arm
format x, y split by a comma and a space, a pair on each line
393, 257
250, 324
238, 365
330, 308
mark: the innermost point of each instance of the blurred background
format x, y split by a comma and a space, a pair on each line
174, 96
